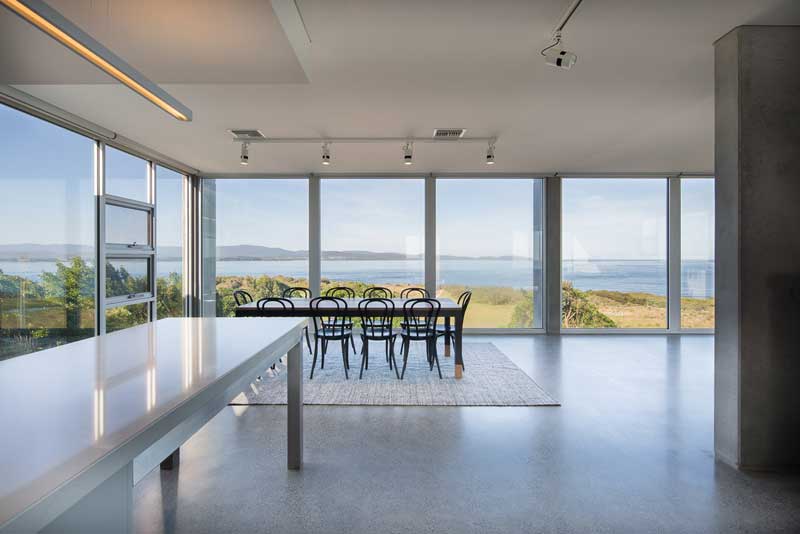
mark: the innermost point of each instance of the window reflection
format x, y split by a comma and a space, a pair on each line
47, 271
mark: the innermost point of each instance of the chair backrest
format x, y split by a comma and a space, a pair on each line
341, 292
414, 292
275, 302
378, 293
242, 297
376, 316
328, 311
420, 316
463, 300
297, 292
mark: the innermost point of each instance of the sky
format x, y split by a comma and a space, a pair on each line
47, 197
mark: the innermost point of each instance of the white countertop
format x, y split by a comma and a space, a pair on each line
63, 409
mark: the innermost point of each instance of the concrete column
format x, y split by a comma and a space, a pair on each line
757, 159
553, 254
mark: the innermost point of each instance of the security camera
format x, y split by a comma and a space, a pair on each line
559, 57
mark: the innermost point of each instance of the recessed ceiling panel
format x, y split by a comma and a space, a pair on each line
176, 41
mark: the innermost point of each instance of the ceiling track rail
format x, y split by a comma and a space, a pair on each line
362, 140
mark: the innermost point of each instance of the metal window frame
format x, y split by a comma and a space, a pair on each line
542, 209
425, 178
551, 232
674, 257
39, 109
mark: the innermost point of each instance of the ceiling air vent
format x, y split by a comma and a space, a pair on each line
449, 133
246, 135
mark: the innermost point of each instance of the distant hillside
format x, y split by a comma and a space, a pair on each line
33, 252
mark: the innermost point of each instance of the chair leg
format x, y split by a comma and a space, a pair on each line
436, 358
308, 341
345, 357
429, 353
406, 345
364, 356
392, 359
314, 361
324, 350
353, 343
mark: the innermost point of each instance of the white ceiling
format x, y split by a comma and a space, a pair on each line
640, 99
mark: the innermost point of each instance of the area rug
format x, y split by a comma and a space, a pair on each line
490, 379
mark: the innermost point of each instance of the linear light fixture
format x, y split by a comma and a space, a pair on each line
65, 32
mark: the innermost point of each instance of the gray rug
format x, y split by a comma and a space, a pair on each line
490, 379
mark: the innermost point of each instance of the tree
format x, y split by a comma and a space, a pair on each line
578, 312
170, 296
522, 317
74, 285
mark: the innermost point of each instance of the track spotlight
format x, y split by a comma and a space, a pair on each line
244, 159
490, 154
556, 55
408, 153
326, 154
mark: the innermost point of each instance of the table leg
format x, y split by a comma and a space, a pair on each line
447, 337
171, 461
459, 330
295, 408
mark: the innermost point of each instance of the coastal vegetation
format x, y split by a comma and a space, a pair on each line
59, 307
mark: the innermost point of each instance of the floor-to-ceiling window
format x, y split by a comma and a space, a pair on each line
490, 241
697, 253
47, 265
373, 233
169, 242
614, 253
255, 238
129, 249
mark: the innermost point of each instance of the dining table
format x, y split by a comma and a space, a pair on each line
450, 311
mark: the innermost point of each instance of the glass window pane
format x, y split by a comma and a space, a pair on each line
127, 277
47, 270
697, 253
126, 226
614, 253
126, 316
169, 240
489, 240
373, 233
255, 238
126, 175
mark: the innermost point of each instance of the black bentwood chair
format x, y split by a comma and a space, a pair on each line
286, 304
419, 324
329, 326
376, 325
242, 297
378, 293
343, 293
414, 293
450, 331
300, 293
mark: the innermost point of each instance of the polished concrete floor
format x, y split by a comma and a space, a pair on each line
629, 450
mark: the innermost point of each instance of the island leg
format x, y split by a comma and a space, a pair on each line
295, 406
